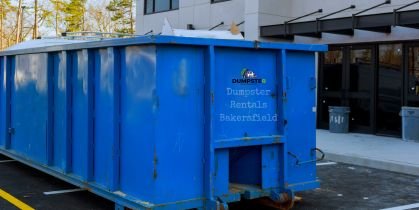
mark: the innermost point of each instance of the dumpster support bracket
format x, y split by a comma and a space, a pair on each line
221, 204
298, 162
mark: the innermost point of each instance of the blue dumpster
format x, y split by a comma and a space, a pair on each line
161, 122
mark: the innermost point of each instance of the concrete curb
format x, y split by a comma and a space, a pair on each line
372, 163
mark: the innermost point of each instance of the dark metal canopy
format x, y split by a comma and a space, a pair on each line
345, 26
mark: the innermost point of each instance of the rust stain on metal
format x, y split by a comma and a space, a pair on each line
212, 97
246, 138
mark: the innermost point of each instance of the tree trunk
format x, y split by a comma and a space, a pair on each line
131, 17
35, 24
1, 25
18, 22
56, 17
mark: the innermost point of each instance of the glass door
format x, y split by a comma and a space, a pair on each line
330, 84
389, 91
359, 88
346, 79
412, 83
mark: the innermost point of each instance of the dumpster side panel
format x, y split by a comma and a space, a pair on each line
104, 126
29, 106
299, 110
139, 105
179, 149
80, 121
60, 128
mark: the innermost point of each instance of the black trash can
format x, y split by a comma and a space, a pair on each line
339, 119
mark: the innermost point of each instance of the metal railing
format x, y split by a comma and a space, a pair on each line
89, 35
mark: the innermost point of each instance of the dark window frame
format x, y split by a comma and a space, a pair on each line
406, 99
345, 94
171, 8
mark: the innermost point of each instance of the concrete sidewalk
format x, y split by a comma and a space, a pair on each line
379, 152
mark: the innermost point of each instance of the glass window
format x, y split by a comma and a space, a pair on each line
390, 80
162, 5
360, 112
333, 57
332, 71
361, 71
413, 71
153, 6
175, 4
149, 7
325, 103
389, 72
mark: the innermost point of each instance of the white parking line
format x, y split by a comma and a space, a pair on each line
7, 161
410, 206
326, 164
63, 191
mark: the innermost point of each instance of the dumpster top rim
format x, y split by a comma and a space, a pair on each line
160, 39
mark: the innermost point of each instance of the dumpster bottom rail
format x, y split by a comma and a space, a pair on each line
237, 192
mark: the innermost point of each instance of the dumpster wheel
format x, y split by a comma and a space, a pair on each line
284, 203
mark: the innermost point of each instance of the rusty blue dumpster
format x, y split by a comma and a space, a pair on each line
161, 122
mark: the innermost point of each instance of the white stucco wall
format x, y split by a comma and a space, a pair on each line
203, 15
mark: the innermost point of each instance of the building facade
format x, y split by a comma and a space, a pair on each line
373, 62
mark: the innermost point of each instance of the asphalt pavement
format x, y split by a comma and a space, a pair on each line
343, 186
352, 187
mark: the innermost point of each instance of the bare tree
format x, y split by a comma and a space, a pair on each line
19, 21
58, 8
2, 10
99, 17
35, 22
43, 17
7, 24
